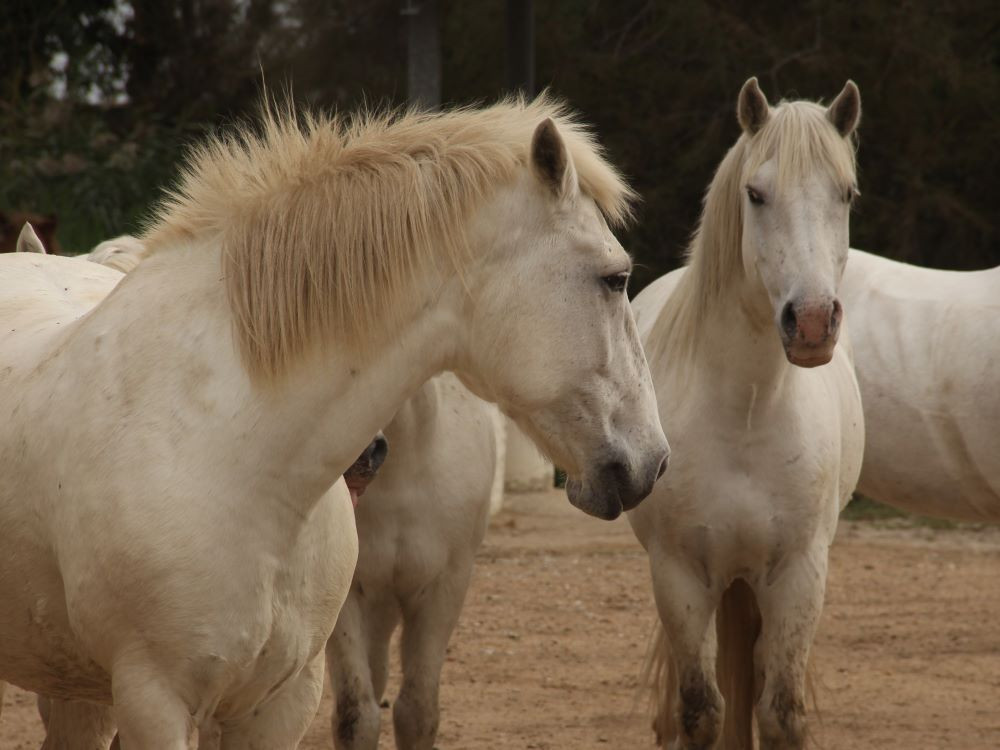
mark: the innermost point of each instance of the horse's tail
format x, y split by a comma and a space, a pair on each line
660, 677
737, 625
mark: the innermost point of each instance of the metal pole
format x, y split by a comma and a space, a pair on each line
424, 54
521, 46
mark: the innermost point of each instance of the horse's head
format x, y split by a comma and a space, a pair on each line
363, 471
798, 183
552, 338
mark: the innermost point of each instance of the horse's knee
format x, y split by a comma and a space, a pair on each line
415, 716
781, 718
356, 722
700, 713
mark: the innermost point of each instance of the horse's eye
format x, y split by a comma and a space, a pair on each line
616, 282
756, 198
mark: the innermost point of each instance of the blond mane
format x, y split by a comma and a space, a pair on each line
324, 221
801, 139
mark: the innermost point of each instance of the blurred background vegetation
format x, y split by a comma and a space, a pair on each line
99, 97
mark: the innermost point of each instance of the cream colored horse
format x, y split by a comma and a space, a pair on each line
418, 530
168, 538
419, 526
767, 452
927, 353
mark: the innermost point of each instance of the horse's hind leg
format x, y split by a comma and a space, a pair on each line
427, 625
790, 607
357, 656
691, 718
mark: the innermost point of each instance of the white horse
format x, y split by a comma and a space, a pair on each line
82, 725
927, 353
767, 452
169, 541
418, 531
419, 527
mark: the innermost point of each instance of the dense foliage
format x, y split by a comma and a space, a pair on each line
658, 79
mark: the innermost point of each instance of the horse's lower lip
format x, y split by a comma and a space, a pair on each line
812, 359
608, 510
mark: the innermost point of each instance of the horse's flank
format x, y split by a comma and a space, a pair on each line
799, 137
325, 221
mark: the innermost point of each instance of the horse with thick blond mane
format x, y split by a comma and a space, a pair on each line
169, 540
738, 532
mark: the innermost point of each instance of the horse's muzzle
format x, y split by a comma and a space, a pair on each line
363, 471
614, 487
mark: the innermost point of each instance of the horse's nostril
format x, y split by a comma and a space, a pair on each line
789, 323
663, 466
838, 313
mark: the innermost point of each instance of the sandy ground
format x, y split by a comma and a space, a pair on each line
556, 625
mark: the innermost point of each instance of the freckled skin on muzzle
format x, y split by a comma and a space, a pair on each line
613, 488
809, 331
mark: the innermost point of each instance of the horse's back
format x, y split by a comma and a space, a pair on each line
40, 295
927, 350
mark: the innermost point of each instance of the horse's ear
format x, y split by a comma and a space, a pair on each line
845, 111
752, 109
28, 242
551, 162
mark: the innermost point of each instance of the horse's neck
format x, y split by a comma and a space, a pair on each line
414, 420
289, 441
738, 342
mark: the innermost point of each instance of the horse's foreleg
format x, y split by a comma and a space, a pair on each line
790, 606
281, 722
356, 716
690, 705
427, 626
150, 714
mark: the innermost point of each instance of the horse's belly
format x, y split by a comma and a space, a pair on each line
934, 465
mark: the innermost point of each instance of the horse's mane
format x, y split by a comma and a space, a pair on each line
801, 139
325, 220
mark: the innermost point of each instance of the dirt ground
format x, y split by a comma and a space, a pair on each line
555, 627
